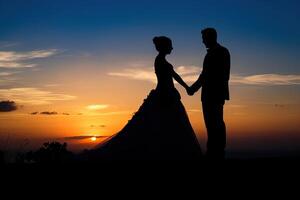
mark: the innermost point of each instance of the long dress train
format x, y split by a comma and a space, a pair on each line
160, 129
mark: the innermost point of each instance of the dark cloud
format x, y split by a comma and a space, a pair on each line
48, 113
100, 126
8, 106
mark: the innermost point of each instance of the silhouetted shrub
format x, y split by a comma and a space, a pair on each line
50, 152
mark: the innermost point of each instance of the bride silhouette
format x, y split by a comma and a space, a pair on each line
160, 129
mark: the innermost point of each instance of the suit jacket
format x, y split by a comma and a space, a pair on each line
215, 75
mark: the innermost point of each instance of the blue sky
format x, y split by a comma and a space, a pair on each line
262, 32
262, 36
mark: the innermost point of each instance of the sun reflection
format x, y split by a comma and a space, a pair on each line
93, 139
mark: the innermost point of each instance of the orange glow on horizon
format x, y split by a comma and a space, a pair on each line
104, 106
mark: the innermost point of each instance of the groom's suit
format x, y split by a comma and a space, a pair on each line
215, 90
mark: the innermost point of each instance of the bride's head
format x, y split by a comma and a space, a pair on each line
163, 44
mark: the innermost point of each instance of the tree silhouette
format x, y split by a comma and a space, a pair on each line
50, 152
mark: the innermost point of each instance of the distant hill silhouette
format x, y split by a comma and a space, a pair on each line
158, 130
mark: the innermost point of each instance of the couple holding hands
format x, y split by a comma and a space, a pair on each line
161, 129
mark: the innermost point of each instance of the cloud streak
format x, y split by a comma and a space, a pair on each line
4, 44
191, 73
97, 107
5, 74
136, 74
12, 59
9, 56
16, 65
33, 96
111, 113
6, 80
267, 79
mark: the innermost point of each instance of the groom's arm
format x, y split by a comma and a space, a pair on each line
197, 85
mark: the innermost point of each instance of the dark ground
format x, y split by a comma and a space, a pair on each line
255, 179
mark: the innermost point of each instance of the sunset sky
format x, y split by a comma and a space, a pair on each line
70, 70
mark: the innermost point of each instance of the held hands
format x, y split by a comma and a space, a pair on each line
190, 91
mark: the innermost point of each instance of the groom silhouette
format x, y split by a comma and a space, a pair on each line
215, 90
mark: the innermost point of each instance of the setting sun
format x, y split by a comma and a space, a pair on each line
94, 138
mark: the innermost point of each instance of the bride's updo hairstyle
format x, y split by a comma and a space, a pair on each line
162, 43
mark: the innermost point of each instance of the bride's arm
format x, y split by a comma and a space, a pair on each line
179, 80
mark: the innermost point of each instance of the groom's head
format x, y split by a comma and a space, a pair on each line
209, 37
